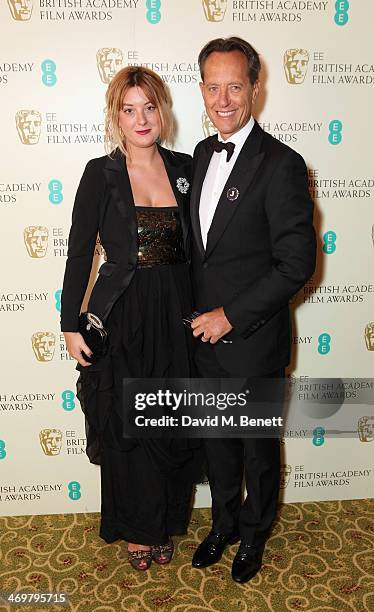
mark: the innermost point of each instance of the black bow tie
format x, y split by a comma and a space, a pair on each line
219, 146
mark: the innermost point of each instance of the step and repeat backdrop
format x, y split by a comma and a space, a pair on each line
57, 58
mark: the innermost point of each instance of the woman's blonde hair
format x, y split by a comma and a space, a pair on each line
155, 90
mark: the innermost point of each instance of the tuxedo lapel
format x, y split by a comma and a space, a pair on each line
121, 196
175, 172
201, 164
119, 182
237, 184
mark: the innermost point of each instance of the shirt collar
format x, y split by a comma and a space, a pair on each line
241, 135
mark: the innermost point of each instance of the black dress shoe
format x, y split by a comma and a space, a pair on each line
211, 549
247, 562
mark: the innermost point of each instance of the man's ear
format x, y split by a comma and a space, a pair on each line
201, 85
255, 90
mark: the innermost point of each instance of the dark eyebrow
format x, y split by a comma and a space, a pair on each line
217, 85
145, 103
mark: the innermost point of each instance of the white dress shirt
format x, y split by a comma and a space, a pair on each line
216, 177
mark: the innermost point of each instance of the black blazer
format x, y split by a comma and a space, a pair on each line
104, 204
260, 251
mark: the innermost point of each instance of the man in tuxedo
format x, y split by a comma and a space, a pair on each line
253, 249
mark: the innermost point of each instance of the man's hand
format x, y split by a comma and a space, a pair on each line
211, 326
75, 345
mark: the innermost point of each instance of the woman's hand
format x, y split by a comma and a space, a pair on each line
75, 345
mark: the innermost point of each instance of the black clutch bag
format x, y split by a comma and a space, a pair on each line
94, 334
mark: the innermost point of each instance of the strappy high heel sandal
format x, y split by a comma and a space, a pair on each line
163, 553
140, 559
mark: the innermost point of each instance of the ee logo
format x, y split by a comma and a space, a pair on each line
318, 436
74, 489
335, 132
2, 449
68, 398
341, 16
324, 343
48, 73
58, 299
55, 191
329, 240
153, 11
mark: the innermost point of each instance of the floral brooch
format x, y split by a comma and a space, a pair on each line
182, 184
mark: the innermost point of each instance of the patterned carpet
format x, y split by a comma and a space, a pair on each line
320, 557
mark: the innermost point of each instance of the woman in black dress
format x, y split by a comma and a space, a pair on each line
137, 199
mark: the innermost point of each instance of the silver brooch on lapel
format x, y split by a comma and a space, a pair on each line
232, 194
182, 184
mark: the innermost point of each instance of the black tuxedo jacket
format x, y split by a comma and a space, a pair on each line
104, 205
260, 251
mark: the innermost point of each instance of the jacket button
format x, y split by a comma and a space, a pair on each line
205, 264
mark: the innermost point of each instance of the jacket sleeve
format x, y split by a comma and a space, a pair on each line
81, 245
289, 211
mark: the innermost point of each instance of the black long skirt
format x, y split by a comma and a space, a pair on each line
146, 485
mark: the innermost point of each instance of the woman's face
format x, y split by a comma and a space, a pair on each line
139, 119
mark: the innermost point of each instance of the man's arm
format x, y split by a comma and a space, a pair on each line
289, 210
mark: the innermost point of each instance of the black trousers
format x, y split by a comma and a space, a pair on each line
258, 459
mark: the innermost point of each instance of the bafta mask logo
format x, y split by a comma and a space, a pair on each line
296, 65
369, 336
20, 9
28, 123
365, 428
109, 60
285, 473
207, 125
50, 441
36, 240
43, 345
214, 10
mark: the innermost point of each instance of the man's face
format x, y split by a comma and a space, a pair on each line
28, 126
109, 62
43, 344
20, 9
296, 65
215, 9
227, 91
36, 241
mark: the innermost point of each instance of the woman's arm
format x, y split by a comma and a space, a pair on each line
81, 246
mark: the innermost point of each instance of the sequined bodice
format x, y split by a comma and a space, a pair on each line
160, 238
